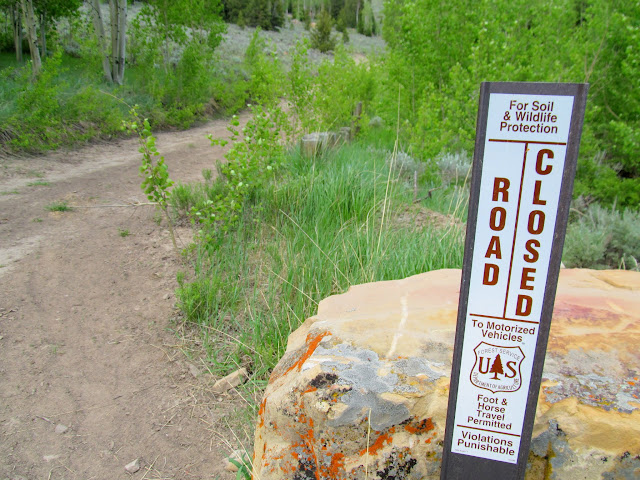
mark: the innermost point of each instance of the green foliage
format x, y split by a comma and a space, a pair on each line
181, 36
341, 26
339, 86
439, 53
367, 22
59, 108
328, 99
156, 182
266, 76
255, 154
315, 229
266, 14
321, 37
244, 467
300, 84
603, 238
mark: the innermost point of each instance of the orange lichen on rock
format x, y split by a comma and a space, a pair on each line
336, 467
312, 342
385, 438
263, 405
416, 428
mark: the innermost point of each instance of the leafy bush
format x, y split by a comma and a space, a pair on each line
266, 84
439, 53
255, 154
339, 86
603, 238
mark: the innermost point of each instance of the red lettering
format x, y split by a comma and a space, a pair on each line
496, 223
547, 169
536, 222
501, 186
491, 272
494, 248
536, 194
533, 255
527, 276
523, 305
513, 371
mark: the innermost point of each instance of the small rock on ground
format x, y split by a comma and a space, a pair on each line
61, 429
133, 467
230, 381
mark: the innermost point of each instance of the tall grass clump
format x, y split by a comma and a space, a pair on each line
317, 228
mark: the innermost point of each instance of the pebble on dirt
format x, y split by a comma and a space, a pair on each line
61, 429
133, 467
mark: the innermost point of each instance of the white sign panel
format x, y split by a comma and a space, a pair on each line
523, 165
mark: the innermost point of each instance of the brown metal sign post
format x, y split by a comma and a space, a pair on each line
526, 150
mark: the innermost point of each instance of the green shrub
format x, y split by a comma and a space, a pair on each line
603, 238
266, 84
321, 37
339, 86
438, 53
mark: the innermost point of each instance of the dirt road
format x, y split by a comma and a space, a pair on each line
92, 376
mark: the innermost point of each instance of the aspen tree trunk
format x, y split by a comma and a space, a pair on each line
29, 19
43, 33
96, 15
17, 31
113, 17
120, 52
118, 9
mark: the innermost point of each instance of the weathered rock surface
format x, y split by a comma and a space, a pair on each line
362, 389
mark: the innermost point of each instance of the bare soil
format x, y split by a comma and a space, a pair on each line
87, 341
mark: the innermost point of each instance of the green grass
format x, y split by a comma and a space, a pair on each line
60, 206
319, 228
38, 184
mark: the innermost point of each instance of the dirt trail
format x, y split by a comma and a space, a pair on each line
85, 331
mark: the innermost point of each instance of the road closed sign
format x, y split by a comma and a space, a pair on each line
525, 157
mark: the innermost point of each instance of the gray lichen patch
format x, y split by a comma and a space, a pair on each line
365, 397
552, 445
595, 378
626, 467
412, 367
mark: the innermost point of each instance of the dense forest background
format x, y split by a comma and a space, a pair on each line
68, 67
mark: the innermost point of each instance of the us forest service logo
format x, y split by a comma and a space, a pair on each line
497, 368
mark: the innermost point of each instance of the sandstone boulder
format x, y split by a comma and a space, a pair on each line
362, 390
